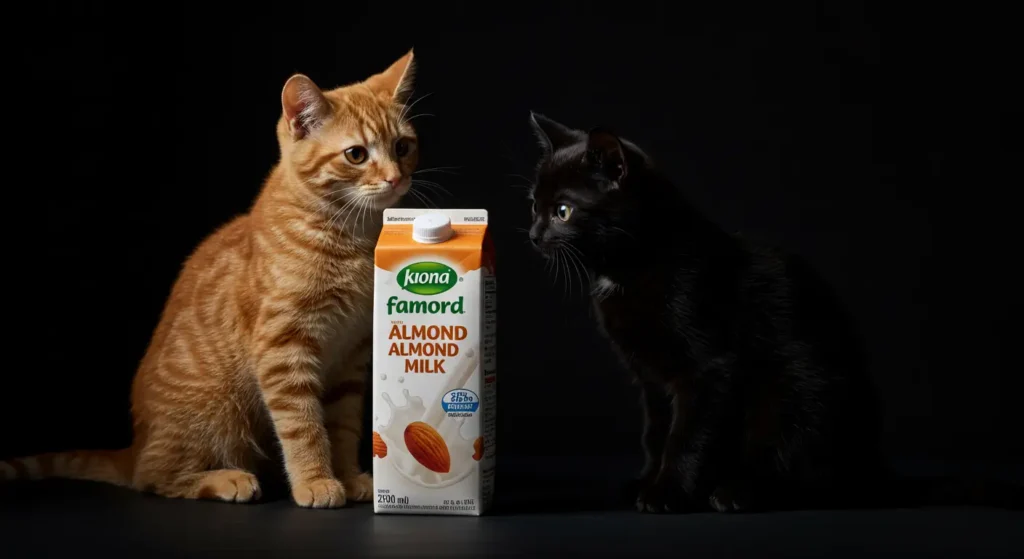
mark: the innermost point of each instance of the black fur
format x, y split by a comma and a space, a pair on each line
752, 375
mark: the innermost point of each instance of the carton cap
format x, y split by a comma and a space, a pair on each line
431, 228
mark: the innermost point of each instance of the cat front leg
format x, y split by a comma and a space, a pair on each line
657, 409
287, 373
665, 493
657, 418
343, 405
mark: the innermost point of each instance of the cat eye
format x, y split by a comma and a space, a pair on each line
356, 155
563, 212
402, 148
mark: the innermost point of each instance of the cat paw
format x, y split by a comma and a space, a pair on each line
660, 498
729, 498
233, 486
324, 493
359, 488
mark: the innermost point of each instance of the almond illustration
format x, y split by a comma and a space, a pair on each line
478, 447
380, 449
427, 447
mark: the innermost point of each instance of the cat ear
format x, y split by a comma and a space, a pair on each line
606, 155
304, 105
397, 81
551, 134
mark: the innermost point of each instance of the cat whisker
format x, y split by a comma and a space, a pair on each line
334, 193
430, 203
338, 195
347, 209
566, 278
584, 277
424, 192
432, 184
415, 195
438, 170
567, 290
425, 195
351, 195
324, 236
565, 275
327, 227
407, 108
518, 176
428, 194
410, 119
575, 257
551, 266
367, 211
434, 193
563, 249
351, 211
623, 231
576, 251
557, 268
425, 181
423, 199
367, 214
348, 193
356, 221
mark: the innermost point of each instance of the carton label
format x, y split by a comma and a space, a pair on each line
434, 377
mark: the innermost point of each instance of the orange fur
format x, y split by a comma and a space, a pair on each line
266, 332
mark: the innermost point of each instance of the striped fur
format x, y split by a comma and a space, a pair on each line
265, 337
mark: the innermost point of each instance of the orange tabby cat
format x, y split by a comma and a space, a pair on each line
267, 329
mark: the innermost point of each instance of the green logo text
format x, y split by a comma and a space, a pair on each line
427, 278
399, 306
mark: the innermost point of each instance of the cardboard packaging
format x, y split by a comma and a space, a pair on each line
434, 367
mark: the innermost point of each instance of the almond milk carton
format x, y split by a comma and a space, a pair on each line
434, 374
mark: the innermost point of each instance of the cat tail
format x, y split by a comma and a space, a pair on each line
108, 466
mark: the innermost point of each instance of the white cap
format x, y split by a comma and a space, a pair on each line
431, 228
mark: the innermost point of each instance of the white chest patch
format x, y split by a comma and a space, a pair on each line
603, 287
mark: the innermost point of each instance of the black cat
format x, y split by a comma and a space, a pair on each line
753, 378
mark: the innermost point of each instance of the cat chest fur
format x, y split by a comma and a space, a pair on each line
641, 333
346, 327
334, 304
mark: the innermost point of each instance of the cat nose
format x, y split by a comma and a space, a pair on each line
393, 182
535, 239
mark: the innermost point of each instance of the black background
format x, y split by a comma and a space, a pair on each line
886, 147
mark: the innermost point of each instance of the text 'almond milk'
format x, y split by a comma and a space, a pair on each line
434, 370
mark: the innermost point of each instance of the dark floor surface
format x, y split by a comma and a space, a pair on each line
63, 518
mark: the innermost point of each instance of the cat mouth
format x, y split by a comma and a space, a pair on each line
383, 197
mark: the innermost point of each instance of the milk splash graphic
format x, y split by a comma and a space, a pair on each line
460, 447
434, 383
